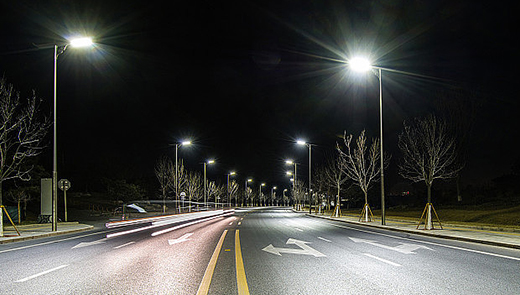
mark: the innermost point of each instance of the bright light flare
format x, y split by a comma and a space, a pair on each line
81, 42
289, 162
360, 64
301, 142
187, 142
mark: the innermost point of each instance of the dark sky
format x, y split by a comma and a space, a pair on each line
245, 79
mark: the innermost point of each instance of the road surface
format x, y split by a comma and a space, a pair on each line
267, 251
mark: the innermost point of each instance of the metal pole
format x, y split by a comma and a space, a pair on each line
176, 174
205, 198
383, 215
310, 190
54, 151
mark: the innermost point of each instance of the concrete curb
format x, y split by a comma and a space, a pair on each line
437, 234
4, 240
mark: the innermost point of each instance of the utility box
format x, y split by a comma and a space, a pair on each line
46, 201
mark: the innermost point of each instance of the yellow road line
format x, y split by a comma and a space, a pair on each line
208, 275
243, 289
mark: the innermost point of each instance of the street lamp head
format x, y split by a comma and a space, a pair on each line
288, 173
81, 42
186, 142
289, 162
301, 142
232, 173
360, 64
250, 180
274, 187
263, 184
211, 162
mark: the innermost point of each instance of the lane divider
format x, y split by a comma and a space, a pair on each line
243, 289
208, 275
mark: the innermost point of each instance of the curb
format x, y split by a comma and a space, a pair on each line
43, 235
436, 235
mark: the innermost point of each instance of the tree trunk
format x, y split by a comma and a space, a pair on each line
429, 224
1, 213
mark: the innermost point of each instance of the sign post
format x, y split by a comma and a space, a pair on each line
64, 185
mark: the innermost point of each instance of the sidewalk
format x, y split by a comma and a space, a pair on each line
33, 231
491, 235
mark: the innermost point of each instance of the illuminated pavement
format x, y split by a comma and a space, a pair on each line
269, 251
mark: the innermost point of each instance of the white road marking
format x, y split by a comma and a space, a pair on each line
86, 244
181, 239
239, 223
298, 229
124, 245
404, 248
305, 249
41, 273
382, 260
323, 239
231, 223
430, 243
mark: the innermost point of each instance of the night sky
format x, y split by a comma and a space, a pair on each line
244, 79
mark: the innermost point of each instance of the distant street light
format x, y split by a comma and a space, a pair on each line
229, 193
273, 195
245, 190
360, 64
205, 182
59, 49
177, 145
260, 194
290, 162
301, 142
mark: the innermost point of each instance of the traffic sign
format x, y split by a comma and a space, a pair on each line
64, 184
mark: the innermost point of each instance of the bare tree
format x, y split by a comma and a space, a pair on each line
248, 193
165, 173
361, 163
233, 191
22, 131
299, 190
20, 196
429, 153
194, 185
335, 177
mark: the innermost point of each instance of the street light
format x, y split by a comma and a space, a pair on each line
273, 196
59, 49
260, 194
229, 193
245, 189
205, 190
177, 145
360, 64
290, 162
301, 142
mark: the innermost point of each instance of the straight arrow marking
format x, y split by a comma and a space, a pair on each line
403, 248
86, 244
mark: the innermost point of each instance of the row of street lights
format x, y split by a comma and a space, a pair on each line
357, 64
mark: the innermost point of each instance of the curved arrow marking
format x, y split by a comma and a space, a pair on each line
304, 249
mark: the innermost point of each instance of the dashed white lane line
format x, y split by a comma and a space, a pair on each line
298, 229
381, 259
41, 273
326, 240
124, 245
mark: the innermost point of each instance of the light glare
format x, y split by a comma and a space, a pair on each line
81, 42
360, 64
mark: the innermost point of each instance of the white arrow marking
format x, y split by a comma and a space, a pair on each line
85, 244
305, 249
403, 248
184, 238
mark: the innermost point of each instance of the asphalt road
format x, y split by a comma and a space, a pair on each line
268, 251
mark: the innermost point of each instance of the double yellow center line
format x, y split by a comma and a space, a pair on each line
243, 289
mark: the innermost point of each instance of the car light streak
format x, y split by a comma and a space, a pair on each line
161, 223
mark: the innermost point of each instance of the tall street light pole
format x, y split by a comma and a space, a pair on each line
363, 65
205, 182
177, 145
78, 42
301, 142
